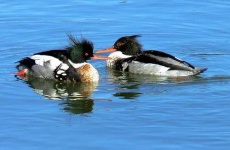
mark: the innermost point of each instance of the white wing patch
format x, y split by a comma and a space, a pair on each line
50, 66
60, 73
64, 66
46, 61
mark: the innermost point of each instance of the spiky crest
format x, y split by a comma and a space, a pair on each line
79, 50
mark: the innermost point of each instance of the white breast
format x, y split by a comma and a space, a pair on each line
113, 57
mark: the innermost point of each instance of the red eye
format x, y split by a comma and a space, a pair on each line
86, 54
119, 44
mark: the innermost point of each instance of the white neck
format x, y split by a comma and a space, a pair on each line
118, 55
113, 57
76, 65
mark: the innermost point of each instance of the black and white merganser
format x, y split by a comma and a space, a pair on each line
67, 64
128, 56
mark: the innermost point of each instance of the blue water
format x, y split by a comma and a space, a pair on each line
122, 111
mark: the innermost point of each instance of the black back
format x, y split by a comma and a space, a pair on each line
155, 57
28, 62
59, 54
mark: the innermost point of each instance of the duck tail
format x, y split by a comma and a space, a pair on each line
200, 70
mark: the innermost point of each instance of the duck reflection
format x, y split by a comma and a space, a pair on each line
129, 84
79, 106
124, 77
127, 95
76, 95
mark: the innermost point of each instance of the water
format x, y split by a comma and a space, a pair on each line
122, 111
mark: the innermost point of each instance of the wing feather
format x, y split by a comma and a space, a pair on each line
164, 59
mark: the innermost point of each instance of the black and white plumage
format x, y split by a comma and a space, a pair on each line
62, 65
128, 56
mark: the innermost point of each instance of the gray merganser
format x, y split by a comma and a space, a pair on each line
67, 64
128, 56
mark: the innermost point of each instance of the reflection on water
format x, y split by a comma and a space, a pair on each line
76, 96
146, 112
60, 90
79, 106
124, 77
127, 86
130, 86
127, 95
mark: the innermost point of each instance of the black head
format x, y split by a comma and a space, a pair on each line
128, 45
80, 50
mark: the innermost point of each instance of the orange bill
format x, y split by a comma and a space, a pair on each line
99, 58
110, 49
21, 73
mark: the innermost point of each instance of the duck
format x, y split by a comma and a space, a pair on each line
67, 64
127, 55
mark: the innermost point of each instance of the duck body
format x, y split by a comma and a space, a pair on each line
152, 62
60, 64
49, 67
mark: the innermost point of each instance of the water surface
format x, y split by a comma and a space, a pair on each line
122, 111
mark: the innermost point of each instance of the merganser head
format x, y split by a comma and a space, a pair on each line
128, 45
80, 50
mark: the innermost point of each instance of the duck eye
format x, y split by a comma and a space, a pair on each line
119, 44
86, 54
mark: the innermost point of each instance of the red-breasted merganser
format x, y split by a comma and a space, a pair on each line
128, 56
67, 64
